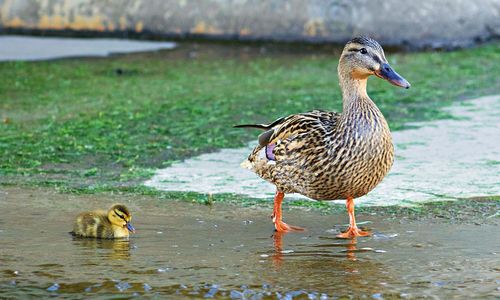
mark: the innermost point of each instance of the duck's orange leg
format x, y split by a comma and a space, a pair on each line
353, 230
279, 225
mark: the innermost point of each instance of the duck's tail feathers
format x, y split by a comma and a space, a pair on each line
260, 126
246, 165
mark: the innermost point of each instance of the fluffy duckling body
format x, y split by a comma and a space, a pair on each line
115, 223
329, 155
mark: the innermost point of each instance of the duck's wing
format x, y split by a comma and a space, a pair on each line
312, 122
293, 125
269, 129
295, 141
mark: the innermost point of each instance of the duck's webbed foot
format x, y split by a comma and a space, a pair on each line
281, 226
353, 232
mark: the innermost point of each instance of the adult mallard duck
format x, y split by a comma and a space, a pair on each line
329, 155
115, 223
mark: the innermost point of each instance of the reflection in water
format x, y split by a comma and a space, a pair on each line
350, 248
312, 265
278, 248
113, 248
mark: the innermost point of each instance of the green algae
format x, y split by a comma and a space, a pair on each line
104, 124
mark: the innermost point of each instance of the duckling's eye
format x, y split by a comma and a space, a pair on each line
363, 51
119, 216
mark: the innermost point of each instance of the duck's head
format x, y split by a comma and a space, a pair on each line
362, 57
119, 215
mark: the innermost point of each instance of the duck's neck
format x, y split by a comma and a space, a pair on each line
354, 96
353, 89
359, 111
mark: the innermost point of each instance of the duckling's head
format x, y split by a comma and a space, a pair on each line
119, 215
362, 57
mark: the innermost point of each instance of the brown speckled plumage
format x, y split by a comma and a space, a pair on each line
322, 156
328, 155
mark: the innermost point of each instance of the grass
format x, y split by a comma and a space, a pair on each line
103, 124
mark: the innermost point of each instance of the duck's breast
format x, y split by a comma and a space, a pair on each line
361, 156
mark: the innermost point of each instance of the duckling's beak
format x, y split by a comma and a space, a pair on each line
130, 227
387, 72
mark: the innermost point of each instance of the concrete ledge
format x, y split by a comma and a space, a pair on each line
434, 23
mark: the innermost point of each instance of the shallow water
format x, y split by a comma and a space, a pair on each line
439, 160
227, 251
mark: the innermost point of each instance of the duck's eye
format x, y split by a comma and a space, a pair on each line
363, 51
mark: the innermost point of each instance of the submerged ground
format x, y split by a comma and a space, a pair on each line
226, 251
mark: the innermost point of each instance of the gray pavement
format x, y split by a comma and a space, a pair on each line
13, 48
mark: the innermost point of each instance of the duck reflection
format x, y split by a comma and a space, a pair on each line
350, 247
112, 248
278, 248
331, 260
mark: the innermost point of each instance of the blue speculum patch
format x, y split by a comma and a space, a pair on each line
269, 151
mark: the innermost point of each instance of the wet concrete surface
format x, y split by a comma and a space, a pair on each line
223, 251
13, 48
438, 160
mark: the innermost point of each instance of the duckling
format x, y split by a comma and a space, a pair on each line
105, 225
329, 155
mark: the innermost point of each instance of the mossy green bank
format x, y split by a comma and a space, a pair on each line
104, 124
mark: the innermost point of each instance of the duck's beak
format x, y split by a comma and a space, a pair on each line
387, 72
130, 227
